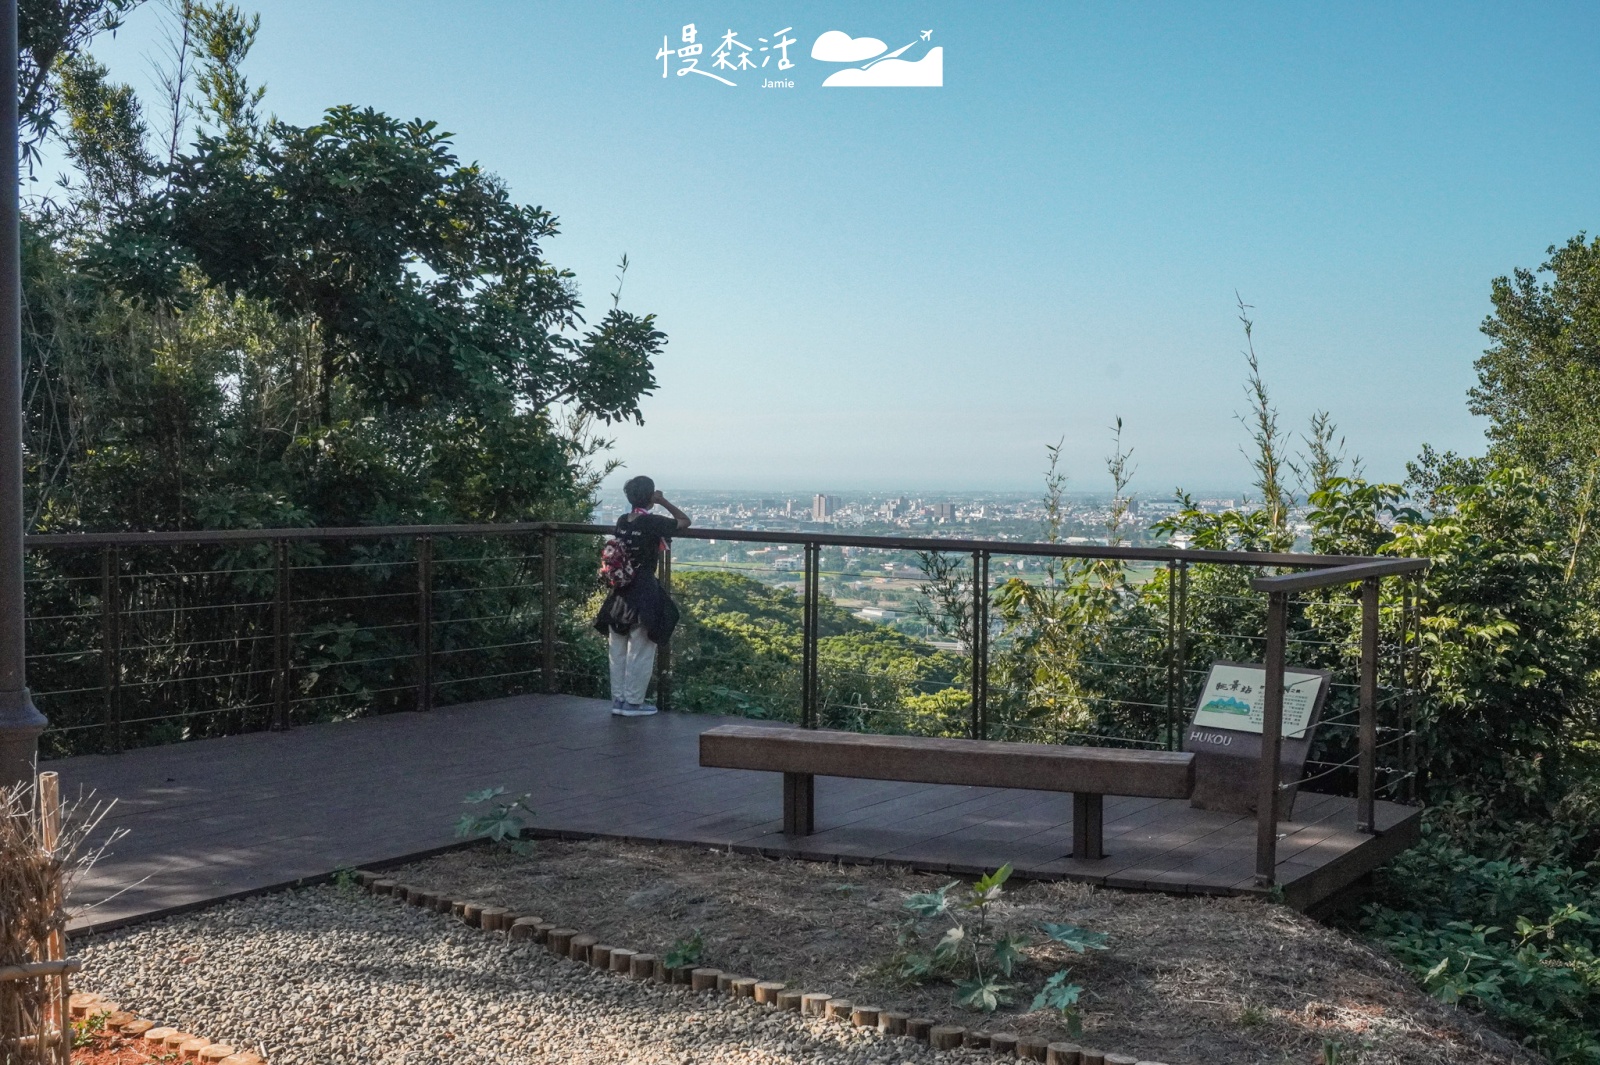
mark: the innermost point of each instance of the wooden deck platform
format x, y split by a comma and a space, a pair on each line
220, 818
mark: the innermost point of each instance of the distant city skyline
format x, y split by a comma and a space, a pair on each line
942, 506
997, 516
805, 495
893, 288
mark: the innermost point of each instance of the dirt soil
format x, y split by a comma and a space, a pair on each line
1187, 980
112, 1048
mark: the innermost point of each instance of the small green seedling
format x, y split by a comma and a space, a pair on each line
686, 951
1062, 997
86, 1029
502, 824
1078, 939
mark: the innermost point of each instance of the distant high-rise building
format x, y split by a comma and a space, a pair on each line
944, 512
822, 507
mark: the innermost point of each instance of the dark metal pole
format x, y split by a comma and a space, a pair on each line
111, 643
547, 619
816, 635
1367, 768
280, 635
1172, 652
424, 623
808, 638
1182, 650
1271, 740
982, 632
664, 657
20, 721
1410, 637
975, 725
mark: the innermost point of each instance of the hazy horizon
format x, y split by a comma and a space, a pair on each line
613, 487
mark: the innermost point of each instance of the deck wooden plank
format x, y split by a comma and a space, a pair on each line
213, 819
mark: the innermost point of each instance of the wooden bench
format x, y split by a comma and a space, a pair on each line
1089, 773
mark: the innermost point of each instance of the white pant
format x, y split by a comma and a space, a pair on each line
633, 659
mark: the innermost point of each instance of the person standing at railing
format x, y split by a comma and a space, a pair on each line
639, 615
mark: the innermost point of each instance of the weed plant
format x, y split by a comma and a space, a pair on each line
502, 824
979, 953
1514, 937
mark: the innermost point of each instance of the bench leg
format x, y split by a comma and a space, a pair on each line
1088, 825
799, 803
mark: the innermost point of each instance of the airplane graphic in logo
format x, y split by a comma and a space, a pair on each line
879, 68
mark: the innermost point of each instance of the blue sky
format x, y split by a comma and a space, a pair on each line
921, 288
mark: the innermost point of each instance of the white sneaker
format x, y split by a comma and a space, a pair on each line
626, 710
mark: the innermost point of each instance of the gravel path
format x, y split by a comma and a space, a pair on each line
331, 976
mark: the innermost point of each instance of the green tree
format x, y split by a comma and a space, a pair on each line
104, 139
48, 32
1506, 645
334, 325
425, 283
1539, 384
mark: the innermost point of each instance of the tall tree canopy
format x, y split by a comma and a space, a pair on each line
1539, 380
334, 323
50, 32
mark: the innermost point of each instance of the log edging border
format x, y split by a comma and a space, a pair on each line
583, 948
159, 1039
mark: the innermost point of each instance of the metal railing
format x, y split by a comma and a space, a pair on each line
152, 637
1278, 590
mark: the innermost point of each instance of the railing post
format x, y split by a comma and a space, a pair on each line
810, 590
1410, 636
1172, 651
664, 656
1366, 773
424, 623
1173, 742
547, 615
1271, 740
980, 645
280, 635
110, 643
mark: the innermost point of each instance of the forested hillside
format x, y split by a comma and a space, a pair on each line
739, 653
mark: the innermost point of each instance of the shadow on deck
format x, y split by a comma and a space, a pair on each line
220, 818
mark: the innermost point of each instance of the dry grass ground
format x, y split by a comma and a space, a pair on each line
1186, 980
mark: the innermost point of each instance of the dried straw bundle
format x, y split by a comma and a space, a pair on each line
36, 874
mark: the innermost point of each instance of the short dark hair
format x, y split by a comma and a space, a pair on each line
641, 491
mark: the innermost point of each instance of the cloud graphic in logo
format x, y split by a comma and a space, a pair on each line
837, 46
927, 72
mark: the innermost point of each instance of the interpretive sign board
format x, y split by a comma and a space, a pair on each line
1235, 698
1225, 735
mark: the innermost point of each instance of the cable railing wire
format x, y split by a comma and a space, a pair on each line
520, 630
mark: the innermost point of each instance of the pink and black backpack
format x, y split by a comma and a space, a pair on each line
616, 565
